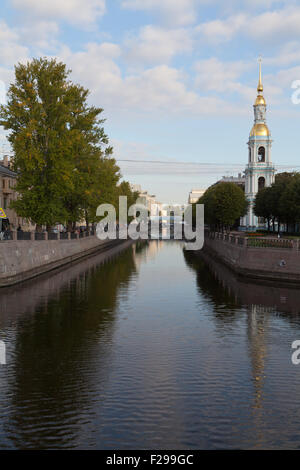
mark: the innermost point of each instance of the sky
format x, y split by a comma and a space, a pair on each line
176, 79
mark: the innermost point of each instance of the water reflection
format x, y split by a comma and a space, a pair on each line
157, 348
264, 305
225, 288
61, 328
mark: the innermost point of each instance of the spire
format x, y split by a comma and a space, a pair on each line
260, 87
260, 127
260, 99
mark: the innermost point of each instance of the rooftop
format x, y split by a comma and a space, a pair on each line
4, 171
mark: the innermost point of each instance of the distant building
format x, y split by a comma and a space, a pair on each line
8, 194
146, 199
156, 209
136, 188
6, 161
238, 180
195, 194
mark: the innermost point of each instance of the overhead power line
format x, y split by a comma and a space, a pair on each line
234, 165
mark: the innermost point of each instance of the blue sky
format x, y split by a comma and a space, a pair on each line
177, 79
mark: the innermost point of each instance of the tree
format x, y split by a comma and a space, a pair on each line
224, 204
282, 180
60, 148
279, 201
101, 189
124, 189
289, 203
262, 204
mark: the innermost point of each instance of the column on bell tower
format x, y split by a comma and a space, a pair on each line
259, 171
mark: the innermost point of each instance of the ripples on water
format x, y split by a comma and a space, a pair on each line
154, 349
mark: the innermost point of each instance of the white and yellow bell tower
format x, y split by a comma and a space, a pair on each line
259, 171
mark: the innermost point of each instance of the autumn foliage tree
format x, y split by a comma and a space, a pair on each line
61, 152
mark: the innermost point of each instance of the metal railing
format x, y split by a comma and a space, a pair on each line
39, 236
6, 235
52, 236
256, 242
23, 235
20, 235
270, 243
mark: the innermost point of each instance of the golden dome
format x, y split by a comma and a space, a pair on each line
259, 130
260, 100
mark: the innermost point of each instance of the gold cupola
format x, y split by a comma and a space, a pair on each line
261, 130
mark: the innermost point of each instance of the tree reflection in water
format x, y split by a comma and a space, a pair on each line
231, 296
63, 336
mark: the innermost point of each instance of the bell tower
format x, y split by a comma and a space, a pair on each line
259, 172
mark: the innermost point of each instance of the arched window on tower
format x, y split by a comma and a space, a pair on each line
261, 154
249, 155
261, 183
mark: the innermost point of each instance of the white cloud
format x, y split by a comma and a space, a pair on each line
154, 86
156, 89
6, 76
158, 45
217, 31
280, 24
284, 78
72, 11
275, 26
41, 35
2, 92
184, 12
137, 151
247, 6
160, 87
175, 12
215, 75
11, 50
95, 67
288, 54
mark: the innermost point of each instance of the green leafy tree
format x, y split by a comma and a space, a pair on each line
102, 188
224, 204
263, 206
289, 203
95, 174
60, 148
277, 202
124, 189
282, 180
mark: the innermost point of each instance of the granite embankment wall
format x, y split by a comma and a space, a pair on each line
267, 259
22, 260
22, 298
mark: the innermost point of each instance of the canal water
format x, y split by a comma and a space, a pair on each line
155, 349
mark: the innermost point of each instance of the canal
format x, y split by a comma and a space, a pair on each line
155, 349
